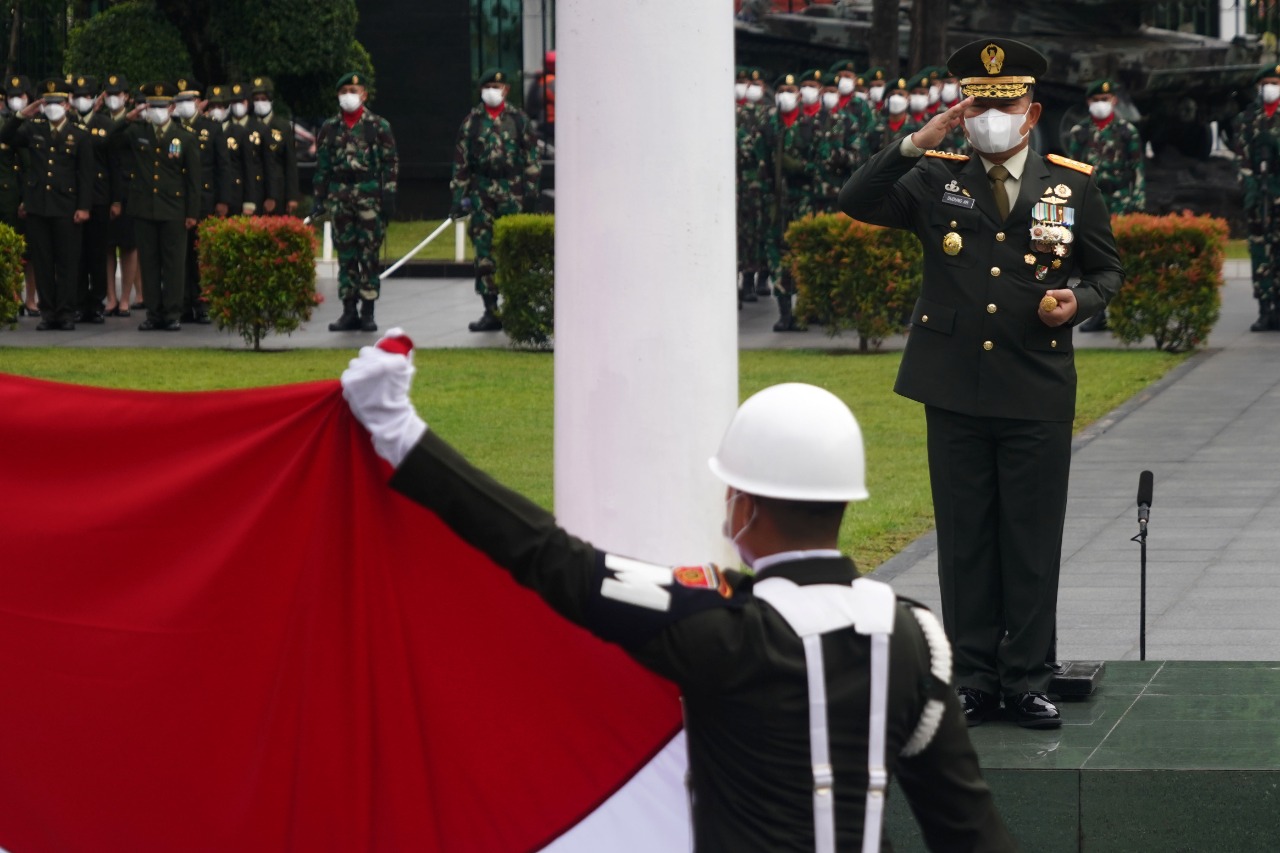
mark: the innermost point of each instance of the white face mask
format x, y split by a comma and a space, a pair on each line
115, 103
739, 91
861, 96
158, 115
349, 102
876, 93
950, 91
492, 97
185, 109
83, 105
995, 132
261, 108
1101, 110
747, 558
754, 93
787, 101
933, 94
844, 86
918, 103
218, 114
17, 103
1270, 93
830, 100
240, 110
55, 112
809, 94
897, 103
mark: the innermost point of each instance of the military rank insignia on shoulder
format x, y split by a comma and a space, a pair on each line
947, 155
703, 577
1068, 163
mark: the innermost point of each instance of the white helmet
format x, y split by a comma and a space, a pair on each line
794, 442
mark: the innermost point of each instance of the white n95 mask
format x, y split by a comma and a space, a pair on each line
994, 132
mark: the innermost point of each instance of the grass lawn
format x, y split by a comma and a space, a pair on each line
1237, 250
496, 406
403, 236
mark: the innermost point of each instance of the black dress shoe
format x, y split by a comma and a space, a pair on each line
46, 325
1033, 711
171, 326
66, 326
978, 705
147, 326
202, 317
95, 317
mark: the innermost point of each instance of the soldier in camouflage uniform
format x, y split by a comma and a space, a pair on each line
1257, 143
1115, 150
892, 123
355, 183
750, 114
845, 146
852, 91
794, 147
495, 174
948, 97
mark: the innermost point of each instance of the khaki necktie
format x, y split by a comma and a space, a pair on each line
998, 174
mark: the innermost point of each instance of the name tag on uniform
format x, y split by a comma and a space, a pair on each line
957, 200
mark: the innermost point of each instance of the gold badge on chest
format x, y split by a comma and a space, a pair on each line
952, 243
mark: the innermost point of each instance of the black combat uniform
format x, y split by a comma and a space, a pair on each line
59, 184
163, 196
998, 384
279, 157
93, 259
742, 672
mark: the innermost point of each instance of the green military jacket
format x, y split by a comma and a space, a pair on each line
977, 345
361, 160
213, 162
496, 160
1117, 154
11, 165
99, 128
279, 158
166, 182
1256, 141
260, 184
59, 180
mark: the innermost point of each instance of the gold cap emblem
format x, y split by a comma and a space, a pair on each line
355, 79
112, 79
159, 89
79, 81
51, 86
993, 58
498, 77
182, 85
236, 88
15, 82
257, 81
1106, 87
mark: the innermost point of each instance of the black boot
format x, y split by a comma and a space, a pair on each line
366, 316
786, 321
488, 321
762, 283
748, 291
1268, 319
1096, 323
350, 320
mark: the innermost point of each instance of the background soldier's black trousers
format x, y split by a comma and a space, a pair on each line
999, 499
93, 260
162, 256
54, 246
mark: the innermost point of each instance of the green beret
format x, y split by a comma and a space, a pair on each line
876, 73
755, 75
813, 75
997, 68
353, 78
1100, 87
495, 75
902, 84
1267, 71
786, 80
919, 81
843, 65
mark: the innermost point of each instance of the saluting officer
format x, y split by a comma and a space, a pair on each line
164, 198
188, 110
355, 182
280, 158
13, 162
56, 199
93, 259
990, 355
752, 655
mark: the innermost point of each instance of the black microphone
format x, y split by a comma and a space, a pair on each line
1145, 481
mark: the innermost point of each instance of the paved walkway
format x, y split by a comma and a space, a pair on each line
1210, 433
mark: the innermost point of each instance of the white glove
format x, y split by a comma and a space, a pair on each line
376, 386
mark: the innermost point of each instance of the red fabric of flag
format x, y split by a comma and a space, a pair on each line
234, 636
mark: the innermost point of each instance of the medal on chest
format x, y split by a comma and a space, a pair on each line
1052, 219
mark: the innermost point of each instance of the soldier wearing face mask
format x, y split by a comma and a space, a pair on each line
261, 185
845, 147
752, 187
918, 103
1115, 149
188, 110
164, 198
851, 92
811, 93
990, 356
56, 199
92, 286
13, 163
948, 97
1257, 144
235, 175
877, 84
894, 121
120, 234
279, 156
496, 170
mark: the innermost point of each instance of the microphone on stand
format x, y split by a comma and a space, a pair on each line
1145, 484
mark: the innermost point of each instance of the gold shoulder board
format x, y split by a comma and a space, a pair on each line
1070, 164
947, 155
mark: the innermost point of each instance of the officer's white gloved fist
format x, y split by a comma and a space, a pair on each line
376, 386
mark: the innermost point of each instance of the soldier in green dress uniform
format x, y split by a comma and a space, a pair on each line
13, 161
92, 285
213, 164
279, 156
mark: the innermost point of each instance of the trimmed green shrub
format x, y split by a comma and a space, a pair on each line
11, 279
524, 247
129, 38
258, 274
1173, 276
854, 276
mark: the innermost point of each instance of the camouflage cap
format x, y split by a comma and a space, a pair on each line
84, 85
495, 76
17, 84
997, 68
116, 84
220, 93
353, 78
1100, 87
54, 89
844, 65
1265, 72
263, 86
812, 75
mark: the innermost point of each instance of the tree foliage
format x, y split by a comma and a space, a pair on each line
130, 39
